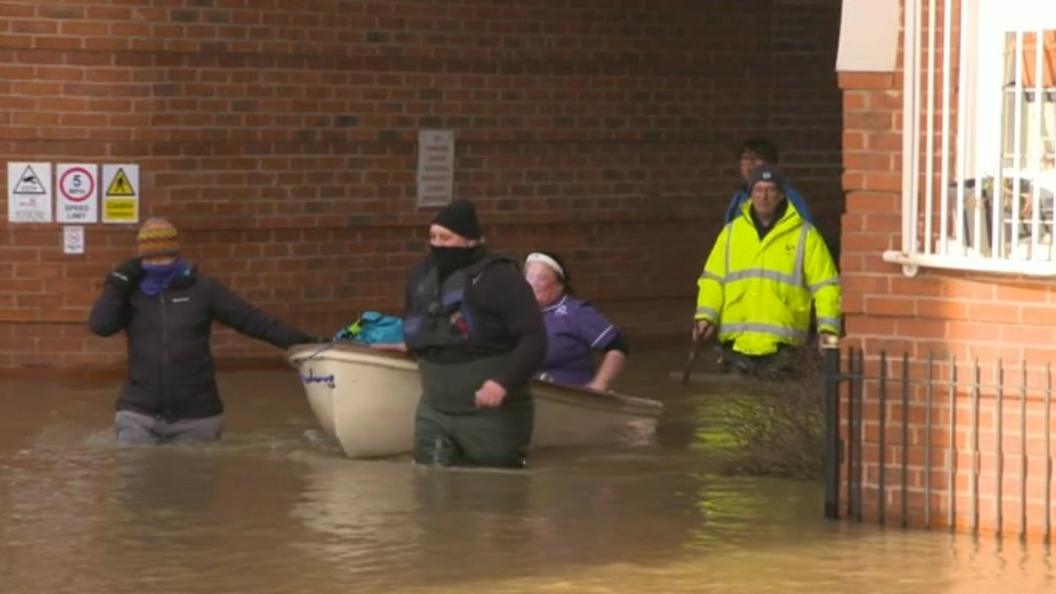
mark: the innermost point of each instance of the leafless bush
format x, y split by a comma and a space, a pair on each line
775, 428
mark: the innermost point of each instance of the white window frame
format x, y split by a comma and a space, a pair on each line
926, 238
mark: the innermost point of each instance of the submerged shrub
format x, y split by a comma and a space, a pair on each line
771, 428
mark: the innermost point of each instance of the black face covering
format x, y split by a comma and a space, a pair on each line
450, 259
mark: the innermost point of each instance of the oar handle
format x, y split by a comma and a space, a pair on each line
694, 352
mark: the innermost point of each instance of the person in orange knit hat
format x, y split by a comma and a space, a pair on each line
166, 308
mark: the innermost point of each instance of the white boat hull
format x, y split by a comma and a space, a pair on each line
365, 399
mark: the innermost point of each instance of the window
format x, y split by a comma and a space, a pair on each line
979, 140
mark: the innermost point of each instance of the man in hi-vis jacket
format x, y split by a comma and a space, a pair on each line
767, 268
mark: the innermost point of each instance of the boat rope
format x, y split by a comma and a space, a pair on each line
320, 350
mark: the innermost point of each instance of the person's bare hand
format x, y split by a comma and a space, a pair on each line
828, 341
490, 394
703, 330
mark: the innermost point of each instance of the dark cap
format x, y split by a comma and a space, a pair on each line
768, 173
461, 217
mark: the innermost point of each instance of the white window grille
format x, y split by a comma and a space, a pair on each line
979, 156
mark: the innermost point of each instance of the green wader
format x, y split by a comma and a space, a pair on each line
787, 363
449, 430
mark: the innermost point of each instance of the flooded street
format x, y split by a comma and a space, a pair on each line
274, 508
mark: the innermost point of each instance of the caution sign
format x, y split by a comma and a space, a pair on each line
120, 186
77, 198
29, 192
120, 193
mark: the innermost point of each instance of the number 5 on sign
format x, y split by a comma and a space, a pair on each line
120, 191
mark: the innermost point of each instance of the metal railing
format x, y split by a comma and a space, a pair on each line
858, 402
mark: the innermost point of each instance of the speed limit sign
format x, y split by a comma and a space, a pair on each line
78, 193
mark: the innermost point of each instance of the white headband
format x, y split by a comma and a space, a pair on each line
547, 260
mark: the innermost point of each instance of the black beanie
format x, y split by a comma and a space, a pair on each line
461, 217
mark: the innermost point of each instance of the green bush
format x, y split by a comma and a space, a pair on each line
769, 428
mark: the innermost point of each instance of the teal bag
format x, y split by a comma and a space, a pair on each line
373, 328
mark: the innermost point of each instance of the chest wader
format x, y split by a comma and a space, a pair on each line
449, 430
787, 363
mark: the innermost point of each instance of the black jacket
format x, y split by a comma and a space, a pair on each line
170, 367
506, 318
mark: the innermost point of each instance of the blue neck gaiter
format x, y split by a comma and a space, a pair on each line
158, 277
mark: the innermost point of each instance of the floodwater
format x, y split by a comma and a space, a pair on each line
274, 508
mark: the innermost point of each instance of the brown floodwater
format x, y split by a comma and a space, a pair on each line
275, 508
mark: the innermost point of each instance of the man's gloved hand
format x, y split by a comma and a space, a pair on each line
127, 275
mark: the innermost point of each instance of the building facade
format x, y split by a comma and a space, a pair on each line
948, 253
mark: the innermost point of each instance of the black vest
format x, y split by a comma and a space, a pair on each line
439, 316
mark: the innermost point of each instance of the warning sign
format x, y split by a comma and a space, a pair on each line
29, 192
120, 185
29, 182
77, 200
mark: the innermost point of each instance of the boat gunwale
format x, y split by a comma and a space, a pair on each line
612, 402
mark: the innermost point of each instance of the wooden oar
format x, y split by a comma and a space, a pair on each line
694, 352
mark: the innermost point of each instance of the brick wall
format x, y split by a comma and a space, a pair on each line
802, 116
279, 136
970, 316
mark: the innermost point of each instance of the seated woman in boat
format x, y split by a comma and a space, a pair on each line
575, 330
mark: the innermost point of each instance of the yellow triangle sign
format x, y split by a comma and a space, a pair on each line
120, 186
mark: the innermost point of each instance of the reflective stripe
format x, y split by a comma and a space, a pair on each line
711, 276
796, 279
818, 286
761, 273
800, 252
729, 247
707, 311
778, 331
830, 322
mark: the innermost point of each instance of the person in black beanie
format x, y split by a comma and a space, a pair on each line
474, 326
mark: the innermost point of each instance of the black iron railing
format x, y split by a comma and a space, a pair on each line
858, 402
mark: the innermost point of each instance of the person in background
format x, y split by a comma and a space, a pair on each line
166, 308
756, 152
478, 336
575, 330
766, 269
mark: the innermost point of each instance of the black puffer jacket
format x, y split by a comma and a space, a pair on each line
170, 367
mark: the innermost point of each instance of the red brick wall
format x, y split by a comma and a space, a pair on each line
279, 136
969, 316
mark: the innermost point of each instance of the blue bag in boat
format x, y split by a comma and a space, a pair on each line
373, 328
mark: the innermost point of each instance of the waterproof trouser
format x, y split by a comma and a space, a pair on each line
787, 363
450, 431
137, 428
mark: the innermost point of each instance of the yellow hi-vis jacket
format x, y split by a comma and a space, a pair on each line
759, 292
